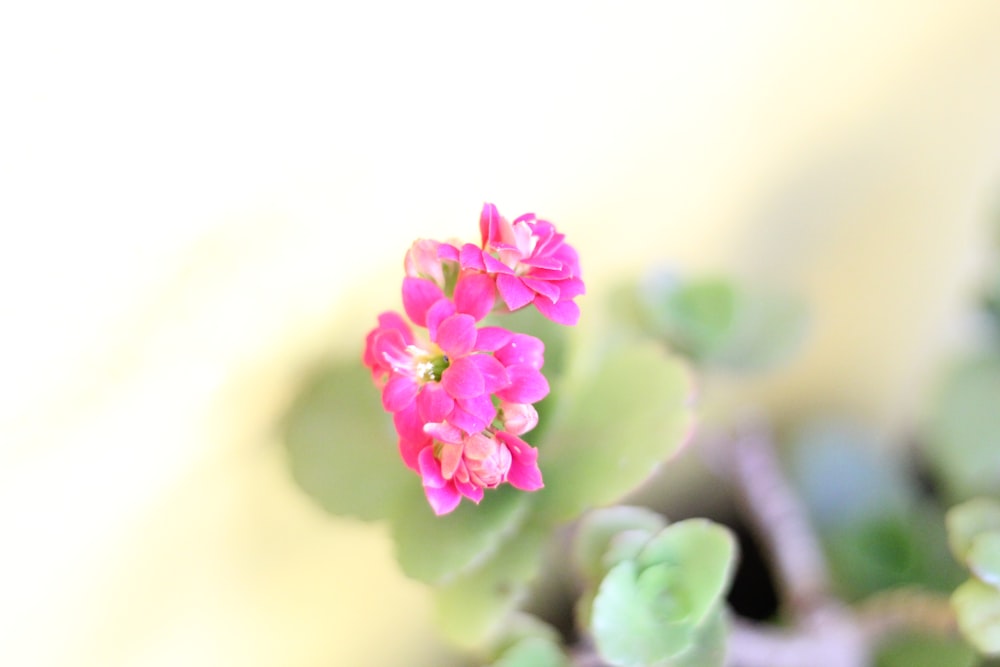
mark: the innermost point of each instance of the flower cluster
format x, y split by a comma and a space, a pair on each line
460, 392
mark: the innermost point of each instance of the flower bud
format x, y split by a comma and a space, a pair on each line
422, 261
486, 460
518, 418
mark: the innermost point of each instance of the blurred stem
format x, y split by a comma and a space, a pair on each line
779, 520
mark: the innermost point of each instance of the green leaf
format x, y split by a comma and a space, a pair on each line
719, 323
876, 530
925, 651
663, 603
984, 558
598, 528
709, 646
968, 521
533, 652
471, 610
977, 607
437, 549
628, 622
613, 427
698, 556
341, 446
963, 430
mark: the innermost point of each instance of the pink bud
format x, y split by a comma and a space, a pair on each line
486, 460
422, 261
518, 418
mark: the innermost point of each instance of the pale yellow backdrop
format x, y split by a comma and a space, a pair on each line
198, 200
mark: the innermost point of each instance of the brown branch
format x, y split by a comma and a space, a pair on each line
779, 520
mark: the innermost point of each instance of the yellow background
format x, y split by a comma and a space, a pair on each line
200, 200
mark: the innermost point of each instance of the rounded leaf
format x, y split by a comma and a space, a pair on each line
597, 529
627, 632
341, 446
613, 427
984, 558
977, 607
437, 549
700, 556
967, 521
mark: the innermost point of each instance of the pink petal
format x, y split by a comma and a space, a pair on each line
456, 335
543, 287
409, 425
489, 222
513, 292
491, 339
389, 349
393, 320
471, 257
399, 393
494, 373
527, 385
441, 309
410, 450
478, 411
433, 403
451, 458
444, 432
494, 265
475, 294
524, 473
570, 288
462, 379
561, 312
522, 350
419, 294
447, 252
430, 469
470, 491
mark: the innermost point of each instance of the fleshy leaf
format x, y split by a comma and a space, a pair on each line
977, 607
984, 558
969, 520
341, 446
916, 650
719, 323
437, 549
701, 556
597, 529
627, 632
533, 652
963, 431
877, 530
709, 646
613, 427
471, 610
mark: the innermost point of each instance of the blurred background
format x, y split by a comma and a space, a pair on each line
200, 201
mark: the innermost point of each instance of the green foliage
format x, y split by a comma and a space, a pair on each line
974, 537
664, 606
528, 642
977, 606
877, 530
614, 425
721, 324
599, 528
533, 652
969, 521
339, 440
472, 609
963, 429
436, 549
924, 651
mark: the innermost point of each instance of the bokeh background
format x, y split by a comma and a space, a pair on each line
200, 201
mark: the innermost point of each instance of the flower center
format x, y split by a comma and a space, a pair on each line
430, 368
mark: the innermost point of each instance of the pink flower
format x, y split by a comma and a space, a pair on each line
529, 261
458, 465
